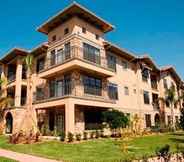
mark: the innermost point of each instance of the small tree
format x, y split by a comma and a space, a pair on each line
115, 119
171, 98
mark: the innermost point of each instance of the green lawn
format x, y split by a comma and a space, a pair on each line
101, 149
3, 159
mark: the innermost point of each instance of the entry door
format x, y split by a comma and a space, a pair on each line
9, 123
148, 120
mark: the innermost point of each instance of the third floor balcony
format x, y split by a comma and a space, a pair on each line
76, 58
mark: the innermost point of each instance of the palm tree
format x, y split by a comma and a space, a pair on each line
4, 103
28, 122
172, 100
31, 112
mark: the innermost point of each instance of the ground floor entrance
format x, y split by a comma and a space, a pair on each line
55, 120
9, 123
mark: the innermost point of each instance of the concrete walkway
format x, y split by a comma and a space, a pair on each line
23, 157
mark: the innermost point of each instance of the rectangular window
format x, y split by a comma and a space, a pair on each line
91, 53
97, 36
53, 57
113, 91
61, 87
67, 51
165, 84
146, 97
125, 65
92, 86
126, 91
148, 120
39, 93
111, 61
66, 31
40, 64
84, 30
145, 74
60, 57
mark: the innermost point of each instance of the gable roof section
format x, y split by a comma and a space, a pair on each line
13, 53
75, 9
40, 49
148, 61
118, 50
172, 71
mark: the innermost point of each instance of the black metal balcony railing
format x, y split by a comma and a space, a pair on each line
76, 53
69, 89
11, 78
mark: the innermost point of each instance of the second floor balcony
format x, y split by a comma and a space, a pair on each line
78, 89
76, 58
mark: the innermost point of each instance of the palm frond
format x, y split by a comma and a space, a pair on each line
5, 102
28, 60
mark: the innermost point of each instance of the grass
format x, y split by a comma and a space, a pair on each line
3, 159
98, 150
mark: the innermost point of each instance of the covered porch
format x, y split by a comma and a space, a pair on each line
73, 118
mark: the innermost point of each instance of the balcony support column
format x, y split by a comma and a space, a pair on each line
76, 86
4, 78
18, 83
69, 117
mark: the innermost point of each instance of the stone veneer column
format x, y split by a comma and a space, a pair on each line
4, 78
18, 83
76, 84
69, 117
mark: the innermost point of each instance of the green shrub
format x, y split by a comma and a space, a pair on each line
70, 137
92, 134
164, 152
115, 119
97, 134
78, 137
85, 135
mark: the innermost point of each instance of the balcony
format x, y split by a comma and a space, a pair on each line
72, 89
76, 58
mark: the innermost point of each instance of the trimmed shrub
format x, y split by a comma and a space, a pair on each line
70, 137
78, 137
85, 136
97, 134
115, 119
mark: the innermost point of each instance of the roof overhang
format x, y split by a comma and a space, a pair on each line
173, 72
42, 48
149, 62
120, 51
75, 10
13, 54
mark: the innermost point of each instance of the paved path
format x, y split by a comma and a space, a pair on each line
23, 157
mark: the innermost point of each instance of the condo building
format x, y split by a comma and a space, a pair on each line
77, 74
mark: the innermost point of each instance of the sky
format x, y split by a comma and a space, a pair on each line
141, 26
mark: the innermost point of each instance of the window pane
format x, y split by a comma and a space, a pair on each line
91, 53
113, 91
